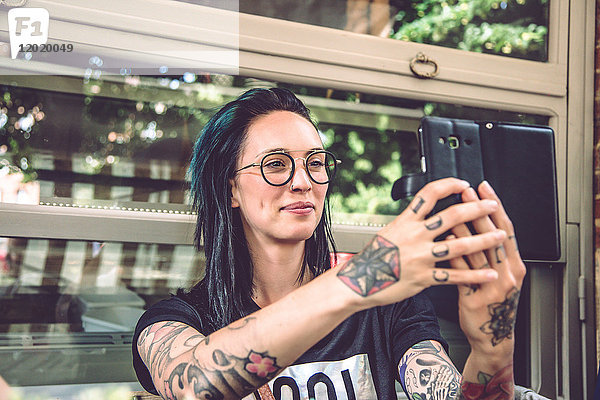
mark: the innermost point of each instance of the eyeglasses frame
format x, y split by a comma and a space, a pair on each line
337, 162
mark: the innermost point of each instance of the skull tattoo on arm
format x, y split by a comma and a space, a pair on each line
427, 373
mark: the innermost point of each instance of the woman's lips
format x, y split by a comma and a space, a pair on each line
300, 208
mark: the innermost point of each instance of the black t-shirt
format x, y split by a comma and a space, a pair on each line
357, 360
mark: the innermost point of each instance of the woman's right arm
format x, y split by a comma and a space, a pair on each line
398, 263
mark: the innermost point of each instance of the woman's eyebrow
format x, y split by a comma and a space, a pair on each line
286, 150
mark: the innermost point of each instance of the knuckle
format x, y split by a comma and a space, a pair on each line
431, 189
509, 226
459, 247
437, 188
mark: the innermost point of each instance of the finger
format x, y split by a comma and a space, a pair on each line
483, 224
458, 214
425, 199
461, 263
500, 218
458, 262
446, 276
476, 260
497, 255
449, 249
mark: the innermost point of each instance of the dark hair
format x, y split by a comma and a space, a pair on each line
226, 290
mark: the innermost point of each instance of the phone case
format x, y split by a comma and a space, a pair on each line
450, 148
517, 160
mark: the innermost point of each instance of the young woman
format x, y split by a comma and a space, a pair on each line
272, 320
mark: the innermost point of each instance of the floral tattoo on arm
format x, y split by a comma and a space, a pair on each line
500, 386
504, 315
181, 365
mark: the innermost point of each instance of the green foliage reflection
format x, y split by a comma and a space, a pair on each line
514, 28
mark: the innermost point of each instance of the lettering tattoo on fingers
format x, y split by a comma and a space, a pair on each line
471, 288
514, 239
419, 203
435, 224
440, 276
503, 317
373, 269
485, 265
498, 250
440, 250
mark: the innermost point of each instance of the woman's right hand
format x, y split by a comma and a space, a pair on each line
400, 261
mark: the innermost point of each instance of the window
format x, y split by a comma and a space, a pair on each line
82, 201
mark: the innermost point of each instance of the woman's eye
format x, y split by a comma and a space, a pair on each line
274, 164
316, 164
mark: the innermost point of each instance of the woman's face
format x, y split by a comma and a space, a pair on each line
290, 212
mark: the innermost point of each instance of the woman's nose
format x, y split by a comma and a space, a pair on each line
300, 179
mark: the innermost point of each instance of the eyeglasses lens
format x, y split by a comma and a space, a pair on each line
277, 167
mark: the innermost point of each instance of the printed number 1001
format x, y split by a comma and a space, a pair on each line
46, 48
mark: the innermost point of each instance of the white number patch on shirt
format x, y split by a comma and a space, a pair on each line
348, 379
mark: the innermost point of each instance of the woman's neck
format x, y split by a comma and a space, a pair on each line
276, 270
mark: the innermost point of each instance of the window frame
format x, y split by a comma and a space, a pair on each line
319, 56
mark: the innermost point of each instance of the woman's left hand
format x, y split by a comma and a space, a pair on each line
488, 311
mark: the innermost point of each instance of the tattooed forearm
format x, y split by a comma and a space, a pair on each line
373, 269
240, 324
498, 387
181, 364
427, 373
503, 316
230, 375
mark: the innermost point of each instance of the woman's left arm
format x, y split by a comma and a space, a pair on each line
487, 312
487, 315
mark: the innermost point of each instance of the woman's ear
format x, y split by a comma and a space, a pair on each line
234, 194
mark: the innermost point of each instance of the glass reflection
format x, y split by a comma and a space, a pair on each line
68, 306
511, 28
127, 147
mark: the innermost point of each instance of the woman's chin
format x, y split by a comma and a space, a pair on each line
296, 237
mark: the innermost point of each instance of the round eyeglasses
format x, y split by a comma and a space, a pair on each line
277, 168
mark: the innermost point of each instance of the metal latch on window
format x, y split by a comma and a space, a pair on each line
581, 296
422, 59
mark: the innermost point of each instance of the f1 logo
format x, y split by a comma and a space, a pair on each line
27, 27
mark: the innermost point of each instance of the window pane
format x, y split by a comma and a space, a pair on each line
68, 308
131, 150
513, 28
108, 144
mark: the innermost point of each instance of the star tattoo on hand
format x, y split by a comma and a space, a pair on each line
373, 269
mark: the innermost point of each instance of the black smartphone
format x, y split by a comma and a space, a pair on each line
450, 148
517, 160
